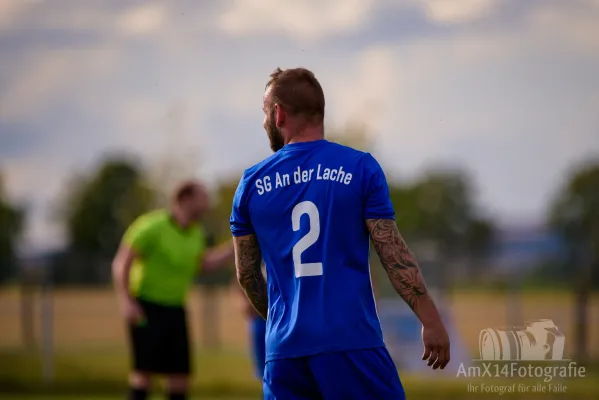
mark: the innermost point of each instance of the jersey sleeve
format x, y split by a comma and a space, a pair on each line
377, 203
240, 217
140, 235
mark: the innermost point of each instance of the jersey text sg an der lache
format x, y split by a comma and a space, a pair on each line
265, 184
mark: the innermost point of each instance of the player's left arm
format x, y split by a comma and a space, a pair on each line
248, 262
400, 263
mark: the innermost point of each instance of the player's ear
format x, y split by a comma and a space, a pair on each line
280, 116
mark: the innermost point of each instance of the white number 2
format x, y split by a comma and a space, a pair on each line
305, 269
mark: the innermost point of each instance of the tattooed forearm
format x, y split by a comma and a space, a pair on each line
397, 259
248, 260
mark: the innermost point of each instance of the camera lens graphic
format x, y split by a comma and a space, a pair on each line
505, 344
538, 339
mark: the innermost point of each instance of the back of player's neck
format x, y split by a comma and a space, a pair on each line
307, 136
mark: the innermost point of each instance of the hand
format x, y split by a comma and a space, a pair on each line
436, 346
133, 312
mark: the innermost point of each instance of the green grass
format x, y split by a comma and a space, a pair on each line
27, 397
104, 371
100, 374
91, 361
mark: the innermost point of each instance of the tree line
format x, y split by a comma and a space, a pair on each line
11, 227
436, 213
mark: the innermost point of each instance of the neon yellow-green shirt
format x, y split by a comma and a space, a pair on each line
169, 258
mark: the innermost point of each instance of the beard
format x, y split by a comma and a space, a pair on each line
274, 134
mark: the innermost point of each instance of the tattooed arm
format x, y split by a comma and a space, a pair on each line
403, 271
248, 261
402, 268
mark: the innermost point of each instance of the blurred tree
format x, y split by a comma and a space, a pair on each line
438, 217
218, 219
440, 207
478, 242
575, 214
98, 210
445, 208
11, 224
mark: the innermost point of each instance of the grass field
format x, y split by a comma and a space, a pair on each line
26, 397
89, 317
90, 355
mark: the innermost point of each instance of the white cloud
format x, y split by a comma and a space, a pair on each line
47, 15
41, 77
362, 92
50, 74
10, 11
457, 11
574, 26
303, 20
143, 19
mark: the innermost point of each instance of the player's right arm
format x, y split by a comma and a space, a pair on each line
136, 240
401, 265
248, 256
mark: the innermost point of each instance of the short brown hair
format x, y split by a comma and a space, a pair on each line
298, 91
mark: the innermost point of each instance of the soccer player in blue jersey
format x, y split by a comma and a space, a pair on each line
310, 211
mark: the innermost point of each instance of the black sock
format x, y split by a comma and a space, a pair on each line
177, 396
138, 394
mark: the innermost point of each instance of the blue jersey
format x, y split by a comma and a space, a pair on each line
307, 205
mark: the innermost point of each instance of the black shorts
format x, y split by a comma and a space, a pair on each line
161, 345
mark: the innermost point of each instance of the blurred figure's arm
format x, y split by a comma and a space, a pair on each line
138, 240
219, 256
121, 268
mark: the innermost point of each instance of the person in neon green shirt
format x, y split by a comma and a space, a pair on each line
155, 266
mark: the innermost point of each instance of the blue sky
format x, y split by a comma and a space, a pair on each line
507, 89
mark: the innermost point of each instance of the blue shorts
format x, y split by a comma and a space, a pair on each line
357, 374
257, 340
